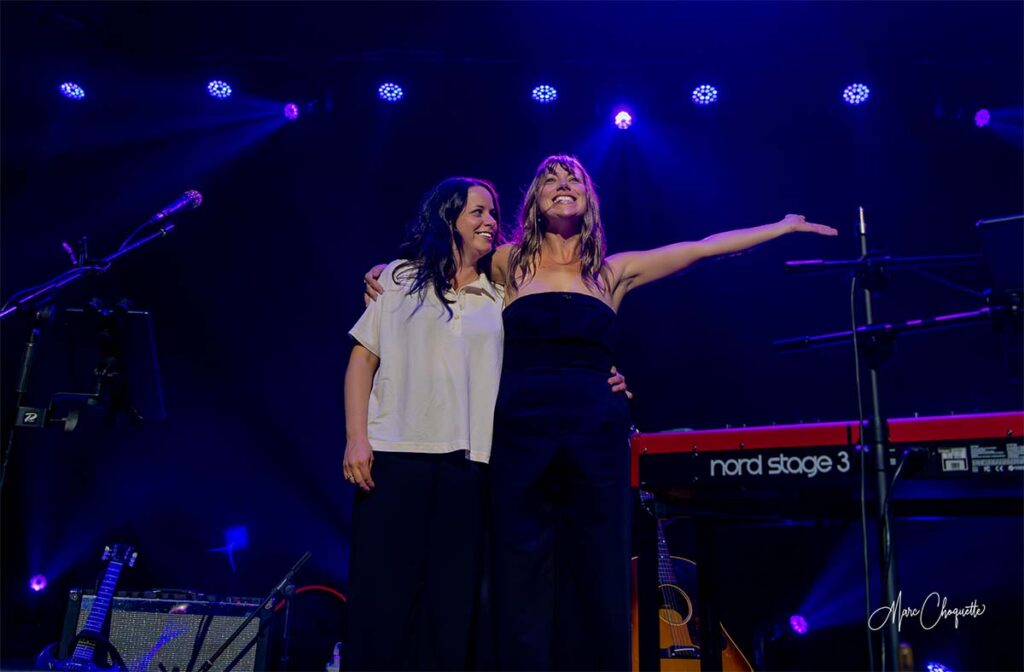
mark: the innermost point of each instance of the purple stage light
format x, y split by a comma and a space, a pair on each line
798, 623
72, 91
291, 111
219, 89
544, 94
856, 94
390, 92
982, 117
705, 94
37, 583
623, 120
936, 667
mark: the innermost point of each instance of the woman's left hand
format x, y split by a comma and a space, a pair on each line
618, 383
794, 223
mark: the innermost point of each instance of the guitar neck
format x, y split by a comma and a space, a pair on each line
98, 612
665, 572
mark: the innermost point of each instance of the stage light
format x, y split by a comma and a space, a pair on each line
982, 117
798, 624
544, 94
291, 111
623, 120
219, 89
705, 94
37, 583
856, 94
72, 91
390, 92
237, 537
936, 667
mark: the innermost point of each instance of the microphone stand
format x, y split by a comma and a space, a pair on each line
823, 266
265, 604
76, 273
870, 271
882, 333
890, 634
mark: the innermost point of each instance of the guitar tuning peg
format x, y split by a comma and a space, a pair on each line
106, 553
131, 560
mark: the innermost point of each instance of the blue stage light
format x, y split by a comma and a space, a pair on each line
936, 667
705, 94
623, 120
982, 117
798, 624
390, 92
291, 111
219, 89
37, 583
72, 91
856, 94
544, 94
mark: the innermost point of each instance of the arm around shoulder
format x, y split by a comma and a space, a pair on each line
498, 271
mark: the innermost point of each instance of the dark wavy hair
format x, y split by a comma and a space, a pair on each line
432, 241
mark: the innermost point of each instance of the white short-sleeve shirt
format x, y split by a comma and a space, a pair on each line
435, 388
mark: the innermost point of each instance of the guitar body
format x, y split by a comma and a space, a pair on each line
48, 660
677, 623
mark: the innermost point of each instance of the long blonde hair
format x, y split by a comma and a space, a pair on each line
530, 231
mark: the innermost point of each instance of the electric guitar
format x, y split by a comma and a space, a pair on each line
89, 642
678, 632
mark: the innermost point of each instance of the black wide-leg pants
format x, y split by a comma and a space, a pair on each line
414, 573
560, 503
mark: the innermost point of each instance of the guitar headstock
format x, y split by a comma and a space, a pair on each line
122, 553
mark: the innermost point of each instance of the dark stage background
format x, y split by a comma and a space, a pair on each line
253, 295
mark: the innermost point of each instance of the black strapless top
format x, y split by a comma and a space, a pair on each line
558, 330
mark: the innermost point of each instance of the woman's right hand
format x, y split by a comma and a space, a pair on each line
358, 462
373, 289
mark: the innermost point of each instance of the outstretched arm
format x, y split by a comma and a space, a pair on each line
633, 269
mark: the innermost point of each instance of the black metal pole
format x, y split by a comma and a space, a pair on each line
265, 604
890, 633
24, 372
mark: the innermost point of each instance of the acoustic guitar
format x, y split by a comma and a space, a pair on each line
677, 623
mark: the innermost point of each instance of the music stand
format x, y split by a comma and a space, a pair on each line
102, 361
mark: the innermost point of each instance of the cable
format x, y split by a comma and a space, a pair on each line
863, 471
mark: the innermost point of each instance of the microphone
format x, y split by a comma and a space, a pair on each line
190, 200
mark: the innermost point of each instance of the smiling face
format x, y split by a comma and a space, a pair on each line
477, 224
562, 193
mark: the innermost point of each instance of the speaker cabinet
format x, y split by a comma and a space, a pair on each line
171, 635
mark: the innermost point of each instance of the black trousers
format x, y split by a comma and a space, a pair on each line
414, 573
561, 517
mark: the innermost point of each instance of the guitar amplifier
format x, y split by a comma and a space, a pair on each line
156, 634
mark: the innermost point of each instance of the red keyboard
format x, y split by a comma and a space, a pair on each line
956, 456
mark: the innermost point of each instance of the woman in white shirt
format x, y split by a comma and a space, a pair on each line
420, 389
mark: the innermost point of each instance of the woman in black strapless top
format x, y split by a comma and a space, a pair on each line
559, 463
560, 492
